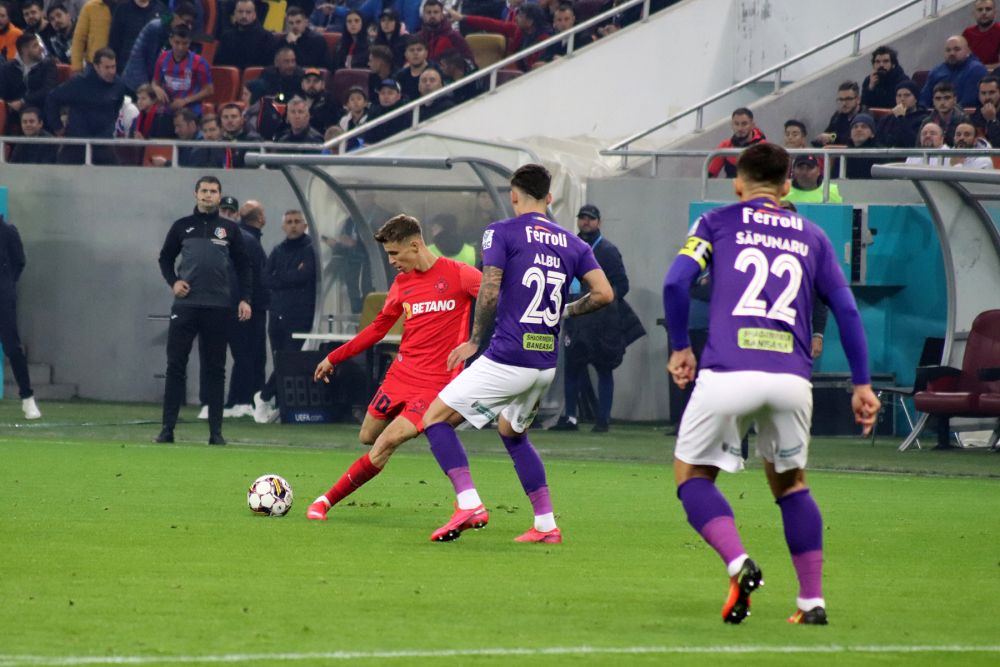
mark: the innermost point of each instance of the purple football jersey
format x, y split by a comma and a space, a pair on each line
539, 261
766, 266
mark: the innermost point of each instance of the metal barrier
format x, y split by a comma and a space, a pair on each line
699, 108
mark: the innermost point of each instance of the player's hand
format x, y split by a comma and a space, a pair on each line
182, 288
866, 407
682, 366
817, 347
323, 371
989, 112
461, 353
243, 311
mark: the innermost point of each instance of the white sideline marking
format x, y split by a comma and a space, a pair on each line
36, 660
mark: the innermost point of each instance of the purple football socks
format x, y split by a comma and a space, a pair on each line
530, 470
450, 455
804, 535
710, 514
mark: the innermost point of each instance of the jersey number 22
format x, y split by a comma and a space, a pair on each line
750, 303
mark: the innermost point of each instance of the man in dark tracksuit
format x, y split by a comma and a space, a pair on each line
11, 265
206, 243
248, 340
290, 274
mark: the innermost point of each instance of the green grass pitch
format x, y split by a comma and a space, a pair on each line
119, 551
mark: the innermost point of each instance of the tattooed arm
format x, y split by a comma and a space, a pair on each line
600, 295
486, 313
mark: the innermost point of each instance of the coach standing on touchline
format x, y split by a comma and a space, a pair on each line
206, 243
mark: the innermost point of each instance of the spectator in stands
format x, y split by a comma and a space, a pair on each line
961, 69
390, 35
330, 15
299, 130
283, 79
352, 49
745, 133
985, 117
438, 34
27, 79
31, 127
323, 112
965, 137
510, 11
390, 98
984, 37
447, 241
807, 182
529, 28
8, 32
901, 127
151, 42
129, 18
838, 130
186, 129
92, 29
946, 114
796, 136
380, 62
93, 99
430, 82
879, 88
357, 114
931, 136
211, 130
309, 46
246, 44
151, 123
563, 19
862, 136
182, 78
456, 67
58, 34
416, 63
234, 129
33, 13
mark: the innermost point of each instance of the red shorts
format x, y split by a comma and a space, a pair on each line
394, 398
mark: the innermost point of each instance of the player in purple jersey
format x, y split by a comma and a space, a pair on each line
529, 263
766, 265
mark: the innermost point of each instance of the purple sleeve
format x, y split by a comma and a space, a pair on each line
852, 333
677, 299
494, 247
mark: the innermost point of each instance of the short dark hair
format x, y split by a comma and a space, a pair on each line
944, 87
181, 30
851, 86
282, 49
399, 228
452, 58
34, 110
990, 78
763, 163
566, 7
414, 38
883, 50
293, 211
742, 111
533, 13
382, 52
24, 40
532, 179
186, 114
54, 6
436, 2
796, 123
32, 3
208, 179
208, 118
294, 11
231, 105
360, 90
185, 9
104, 54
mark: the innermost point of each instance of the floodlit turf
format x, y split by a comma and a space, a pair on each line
114, 546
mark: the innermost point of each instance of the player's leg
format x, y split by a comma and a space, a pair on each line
180, 337
213, 334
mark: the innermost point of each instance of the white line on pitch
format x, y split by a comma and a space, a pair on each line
60, 661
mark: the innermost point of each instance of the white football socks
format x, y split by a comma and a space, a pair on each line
545, 522
468, 499
807, 604
734, 567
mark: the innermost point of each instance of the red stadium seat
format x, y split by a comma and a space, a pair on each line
211, 16
332, 39
166, 152
207, 50
920, 77
63, 72
343, 79
878, 113
251, 74
226, 81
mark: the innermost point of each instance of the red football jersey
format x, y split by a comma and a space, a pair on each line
436, 304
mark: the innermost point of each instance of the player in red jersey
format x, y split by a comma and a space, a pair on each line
436, 295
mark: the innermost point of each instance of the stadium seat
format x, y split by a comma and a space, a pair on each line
211, 16
920, 77
343, 79
63, 72
505, 75
930, 355
878, 113
952, 392
487, 48
332, 39
226, 81
252, 74
150, 152
207, 49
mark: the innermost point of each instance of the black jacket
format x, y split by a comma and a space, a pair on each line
206, 243
861, 167
42, 78
93, 105
884, 94
989, 128
310, 50
127, 22
34, 153
57, 44
309, 136
896, 132
246, 47
258, 260
11, 258
290, 274
600, 338
386, 130
272, 83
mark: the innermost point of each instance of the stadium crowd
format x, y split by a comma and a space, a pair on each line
299, 72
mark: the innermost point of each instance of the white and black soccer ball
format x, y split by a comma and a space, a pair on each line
270, 495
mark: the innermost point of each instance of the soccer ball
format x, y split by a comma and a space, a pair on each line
270, 495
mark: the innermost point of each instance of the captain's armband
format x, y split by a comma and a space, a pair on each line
699, 250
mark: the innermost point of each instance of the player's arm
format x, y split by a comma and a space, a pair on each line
470, 278
168, 254
600, 294
366, 338
692, 259
486, 315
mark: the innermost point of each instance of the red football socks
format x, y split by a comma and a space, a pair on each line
360, 472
